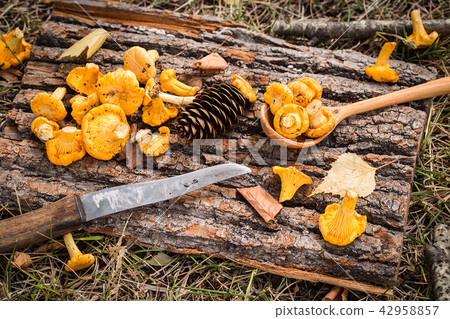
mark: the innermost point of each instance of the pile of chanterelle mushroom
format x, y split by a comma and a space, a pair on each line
102, 105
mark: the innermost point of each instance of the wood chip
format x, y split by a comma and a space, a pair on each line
336, 294
267, 206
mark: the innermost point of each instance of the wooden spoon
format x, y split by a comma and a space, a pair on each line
418, 92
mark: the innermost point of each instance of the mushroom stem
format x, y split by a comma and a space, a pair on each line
178, 100
59, 93
45, 132
77, 260
121, 130
385, 53
14, 42
417, 22
68, 134
316, 117
345, 213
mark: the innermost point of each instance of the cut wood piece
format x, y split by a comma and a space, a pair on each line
213, 220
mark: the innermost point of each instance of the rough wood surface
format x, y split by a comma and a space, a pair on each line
216, 220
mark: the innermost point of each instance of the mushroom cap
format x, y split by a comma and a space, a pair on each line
80, 262
276, 95
67, 146
16, 42
244, 87
291, 120
121, 88
105, 131
341, 224
321, 120
44, 129
141, 62
153, 145
83, 104
291, 180
48, 106
169, 83
156, 113
84, 79
305, 90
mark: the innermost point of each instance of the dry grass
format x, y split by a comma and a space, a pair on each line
127, 271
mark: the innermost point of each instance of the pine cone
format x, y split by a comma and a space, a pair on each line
212, 112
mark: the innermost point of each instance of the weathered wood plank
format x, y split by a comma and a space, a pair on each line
215, 220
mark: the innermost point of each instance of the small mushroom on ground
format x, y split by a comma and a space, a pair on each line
15, 51
44, 129
141, 62
211, 63
291, 180
152, 144
244, 87
154, 112
341, 224
291, 121
321, 120
169, 83
381, 72
67, 146
305, 90
121, 88
50, 106
277, 95
105, 131
84, 79
83, 104
420, 37
78, 260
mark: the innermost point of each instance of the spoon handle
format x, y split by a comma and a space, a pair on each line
418, 92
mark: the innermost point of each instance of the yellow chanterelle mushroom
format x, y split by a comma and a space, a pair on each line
420, 37
277, 95
169, 83
291, 180
14, 50
44, 129
83, 104
50, 106
154, 112
141, 62
305, 90
341, 224
321, 120
244, 87
66, 148
381, 72
291, 121
78, 260
153, 144
84, 79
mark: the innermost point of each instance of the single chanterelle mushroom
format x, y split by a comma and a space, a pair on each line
419, 36
78, 260
152, 144
84, 79
50, 106
381, 72
154, 112
244, 87
105, 131
66, 147
277, 95
15, 51
44, 129
341, 224
305, 90
321, 120
169, 83
141, 62
83, 104
121, 88
291, 180
291, 121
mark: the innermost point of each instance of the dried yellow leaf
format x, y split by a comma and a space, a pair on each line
87, 46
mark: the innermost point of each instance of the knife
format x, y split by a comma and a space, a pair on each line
69, 213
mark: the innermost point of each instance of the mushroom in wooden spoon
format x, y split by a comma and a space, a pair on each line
84, 79
305, 90
50, 105
276, 95
78, 260
341, 224
321, 120
67, 146
291, 121
105, 131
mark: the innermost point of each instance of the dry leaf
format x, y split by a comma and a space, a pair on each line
86, 47
21, 260
211, 62
336, 294
160, 259
349, 172
267, 206
47, 247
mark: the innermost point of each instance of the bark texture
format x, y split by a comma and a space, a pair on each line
216, 220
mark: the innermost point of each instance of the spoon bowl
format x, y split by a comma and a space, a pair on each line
418, 92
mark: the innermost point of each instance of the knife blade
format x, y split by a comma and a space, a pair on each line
69, 213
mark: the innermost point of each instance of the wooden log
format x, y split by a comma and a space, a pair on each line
215, 220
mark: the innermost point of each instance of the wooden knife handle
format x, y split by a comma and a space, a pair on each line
53, 220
